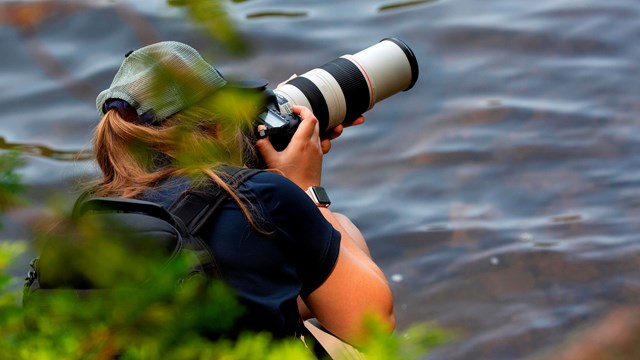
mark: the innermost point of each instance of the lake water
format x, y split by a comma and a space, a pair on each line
500, 194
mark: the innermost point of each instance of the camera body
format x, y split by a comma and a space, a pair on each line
280, 126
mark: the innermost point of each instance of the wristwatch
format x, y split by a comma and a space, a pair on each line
319, 196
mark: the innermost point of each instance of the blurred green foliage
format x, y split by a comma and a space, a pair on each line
235, 117
10, 185
211, 15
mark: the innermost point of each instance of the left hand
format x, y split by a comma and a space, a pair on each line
331, 133
337, 131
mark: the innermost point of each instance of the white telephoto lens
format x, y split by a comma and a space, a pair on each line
344, 88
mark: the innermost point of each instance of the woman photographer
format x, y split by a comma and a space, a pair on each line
163, 130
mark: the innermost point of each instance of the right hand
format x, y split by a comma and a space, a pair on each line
301, 160
333, 133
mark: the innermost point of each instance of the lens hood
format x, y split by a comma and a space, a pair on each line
413, 61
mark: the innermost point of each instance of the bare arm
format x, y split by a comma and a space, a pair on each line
355, 289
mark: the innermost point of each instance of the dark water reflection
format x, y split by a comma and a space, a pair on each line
500, 194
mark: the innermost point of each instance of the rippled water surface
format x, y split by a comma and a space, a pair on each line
499, 195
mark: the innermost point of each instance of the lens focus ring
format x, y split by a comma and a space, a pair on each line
315, 98
353, 84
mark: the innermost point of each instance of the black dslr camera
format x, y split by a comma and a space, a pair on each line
280, 126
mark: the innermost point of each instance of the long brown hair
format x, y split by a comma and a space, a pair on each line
194, 142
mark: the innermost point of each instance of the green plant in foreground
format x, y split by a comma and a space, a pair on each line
162, 321
10, 185
212, 17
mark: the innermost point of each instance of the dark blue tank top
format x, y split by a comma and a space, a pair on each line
267, 272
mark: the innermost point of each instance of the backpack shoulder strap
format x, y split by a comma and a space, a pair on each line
196, 207
79, 201
123, 205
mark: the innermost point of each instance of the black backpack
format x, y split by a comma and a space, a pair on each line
170, 234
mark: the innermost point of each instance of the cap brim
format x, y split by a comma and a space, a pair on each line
258, 84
